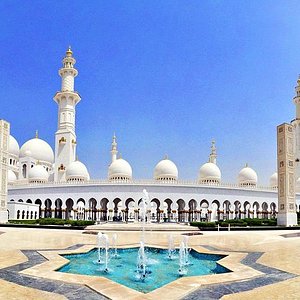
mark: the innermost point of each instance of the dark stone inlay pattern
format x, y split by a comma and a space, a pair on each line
291, 235
77, 292
70, 291
217, 291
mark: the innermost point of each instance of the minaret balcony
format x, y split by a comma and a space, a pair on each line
74, 142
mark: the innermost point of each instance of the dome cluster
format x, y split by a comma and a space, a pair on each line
34, 161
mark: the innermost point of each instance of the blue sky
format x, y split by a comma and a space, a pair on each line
166, 76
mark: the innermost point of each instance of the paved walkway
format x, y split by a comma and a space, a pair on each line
275, 256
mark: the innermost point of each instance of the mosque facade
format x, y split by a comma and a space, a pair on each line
61, 187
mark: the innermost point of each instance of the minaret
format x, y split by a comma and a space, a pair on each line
67, 99
296, 124
213, 153
114, 150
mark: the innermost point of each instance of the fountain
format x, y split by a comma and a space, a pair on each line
141, 262
142, 259
150, 266
182, 260
99, 244
184, 253
114, 245
171, 248
103, 243
186, 249
145, 202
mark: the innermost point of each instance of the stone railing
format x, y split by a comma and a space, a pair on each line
143, 182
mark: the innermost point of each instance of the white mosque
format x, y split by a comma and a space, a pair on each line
47, 183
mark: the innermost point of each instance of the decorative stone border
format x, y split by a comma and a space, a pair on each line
39, 273
174, 290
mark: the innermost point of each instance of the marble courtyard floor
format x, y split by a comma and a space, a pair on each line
265, 265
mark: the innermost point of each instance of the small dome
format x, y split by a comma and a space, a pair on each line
247, 177
274, 180
165, 170
120, 169
209, 173
77, 171
13, 146
37, 149
38, 174
11, 177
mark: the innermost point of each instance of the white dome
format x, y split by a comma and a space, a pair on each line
13, 146
76, 170
37, 149
120, 168
247, 176
209, 172
274, 180
11, 177
165, 170
38, 173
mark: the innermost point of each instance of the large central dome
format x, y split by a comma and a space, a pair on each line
37, 149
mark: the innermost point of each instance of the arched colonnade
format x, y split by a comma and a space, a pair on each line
158, 210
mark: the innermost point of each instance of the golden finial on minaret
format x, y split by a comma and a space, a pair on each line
166, 156
69, 52
36, 134
247, 165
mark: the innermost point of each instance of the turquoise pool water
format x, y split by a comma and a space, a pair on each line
160, 269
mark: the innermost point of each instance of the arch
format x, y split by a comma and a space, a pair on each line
168, 208
28, 201
273, 210
264, 207
155, 210
181, 210
23, 214
192, 210
20, 200
204, 211
226, 210
58, 208
81, 200
129, 209
92, 209
215, 210
48, 210
80, 209
247, 210
117, 209
18, 214
103, 209
256, 208
237, 209
69, 208
12, 200
39, 202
